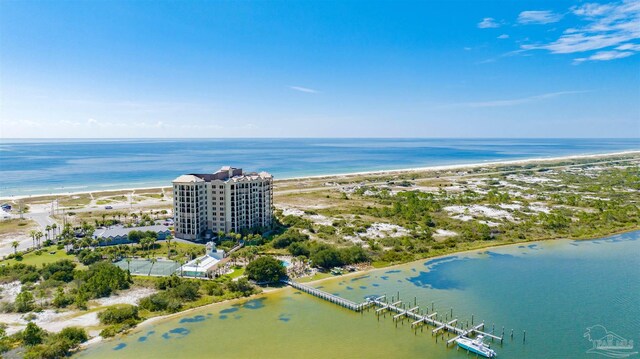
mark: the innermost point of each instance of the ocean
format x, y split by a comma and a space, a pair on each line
36, 167
565, 294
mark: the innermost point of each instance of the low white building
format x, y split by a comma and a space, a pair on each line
200, 266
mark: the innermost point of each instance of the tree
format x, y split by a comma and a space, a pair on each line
33, 334
24, 302
168, 240
102, 279
153, 261
38, 238
32, 234
15, 245
266, 269
326, 258
53, 228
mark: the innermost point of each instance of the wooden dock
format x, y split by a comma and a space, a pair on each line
357, 307
413, 314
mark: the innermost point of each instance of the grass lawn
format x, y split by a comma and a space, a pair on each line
236, 273
44, 258
315, 277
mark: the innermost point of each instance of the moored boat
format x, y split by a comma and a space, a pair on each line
476, 346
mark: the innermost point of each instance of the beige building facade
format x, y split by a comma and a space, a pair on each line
228, 200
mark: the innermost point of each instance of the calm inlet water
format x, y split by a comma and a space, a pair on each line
553, 290
61, 166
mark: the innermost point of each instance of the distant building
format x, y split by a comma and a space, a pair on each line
120, 234
229, 200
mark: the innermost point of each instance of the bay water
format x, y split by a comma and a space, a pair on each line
563, 293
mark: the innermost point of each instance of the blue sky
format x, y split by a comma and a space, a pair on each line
319, 69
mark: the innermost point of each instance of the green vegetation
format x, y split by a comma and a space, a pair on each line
118, 319
497, 205
40, 344
266, 270
180, 293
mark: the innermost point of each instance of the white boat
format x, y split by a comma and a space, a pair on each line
476, 346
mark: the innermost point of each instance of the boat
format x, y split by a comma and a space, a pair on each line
476, 346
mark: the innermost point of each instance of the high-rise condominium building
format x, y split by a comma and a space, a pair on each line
229, 200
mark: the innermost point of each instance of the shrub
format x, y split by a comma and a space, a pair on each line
241, 286
89, 257
60, 270
214, 288
171, 281
31, 277
102, 279
110, 331
119, 315
288, 237
61, 300
160, 302
74, 335
187, 291
24, 302
32, 334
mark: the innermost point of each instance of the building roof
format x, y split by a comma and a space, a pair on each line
188, 179
225, 173
122, 231
201, 264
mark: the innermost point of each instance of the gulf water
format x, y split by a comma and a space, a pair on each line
30, 167
557, 291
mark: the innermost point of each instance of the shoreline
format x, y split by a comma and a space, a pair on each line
351, 174
98, 339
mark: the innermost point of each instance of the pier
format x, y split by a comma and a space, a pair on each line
357, 307
399, 311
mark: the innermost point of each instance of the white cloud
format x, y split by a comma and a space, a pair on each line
517, 101
303, 89
607, 28
487, 23
538, 17
503, 36
604, 56
632, 47
591, 9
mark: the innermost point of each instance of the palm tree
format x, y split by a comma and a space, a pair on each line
168, 240
48, 229
197, 264
33, 233
38, 238
15, 245
153, 261
181, 261
234, 257
54, 227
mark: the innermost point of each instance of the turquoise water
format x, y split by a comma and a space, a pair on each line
32, 167
553, 290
